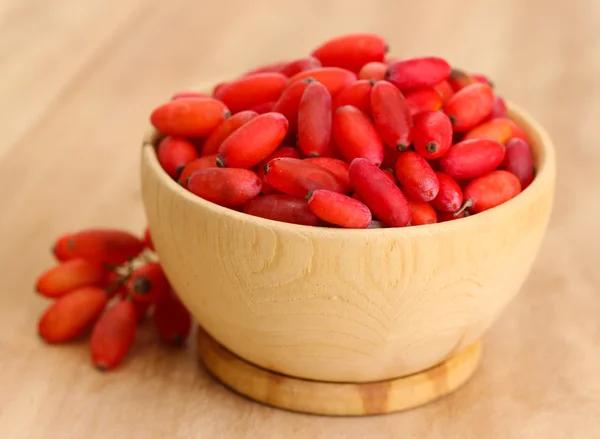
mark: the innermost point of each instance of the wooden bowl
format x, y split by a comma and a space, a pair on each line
341, 305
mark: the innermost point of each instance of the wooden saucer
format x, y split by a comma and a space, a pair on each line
337, 399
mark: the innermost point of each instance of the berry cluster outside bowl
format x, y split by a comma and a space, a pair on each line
344, 305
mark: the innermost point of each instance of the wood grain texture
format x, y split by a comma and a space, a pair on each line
77, 80
337, 399
341, 305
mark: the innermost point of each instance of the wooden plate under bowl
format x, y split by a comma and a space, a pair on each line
337, 399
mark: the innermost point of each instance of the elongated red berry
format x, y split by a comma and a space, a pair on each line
379, 193
148, 282
416, 177
298, 177
72, 314
500, 129
208, 161
113, 335
300, 65
172, 320
432, 134
421, 213
68, 276
253, 142
420, 101
415, 73
472, 158
252, 90
444, 89
490, 190
482, 78
460, 79
217, 88
373, 71
334, 78
104, 246
289, 102
314, 120
339, 209
351, 51
284, 151
228, 126
470, 106
519, 161
357, 94
449, 197
391, 115
499, 108
229, 187
60, 248
189, 117
337, 167
174, 154
356, 136
282, 207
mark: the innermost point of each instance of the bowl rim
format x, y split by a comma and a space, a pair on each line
544, 159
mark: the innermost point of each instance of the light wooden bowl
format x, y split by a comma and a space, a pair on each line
341, 305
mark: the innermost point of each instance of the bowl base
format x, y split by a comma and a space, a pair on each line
337, 399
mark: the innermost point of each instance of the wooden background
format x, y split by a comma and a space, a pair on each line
77, 81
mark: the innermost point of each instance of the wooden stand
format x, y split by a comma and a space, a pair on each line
337, 399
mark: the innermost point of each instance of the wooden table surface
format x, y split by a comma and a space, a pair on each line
77, 81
